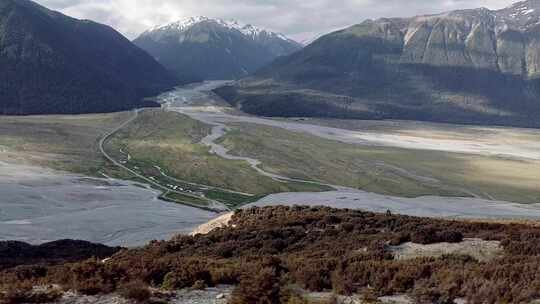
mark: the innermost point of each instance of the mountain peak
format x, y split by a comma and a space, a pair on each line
249, 30
523, 5
213, 48
180, 25
523, 15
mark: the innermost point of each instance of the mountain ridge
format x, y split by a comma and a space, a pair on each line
474, 66
203, 48
56, 64
247, 29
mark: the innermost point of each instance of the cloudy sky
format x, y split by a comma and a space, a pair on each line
299, 19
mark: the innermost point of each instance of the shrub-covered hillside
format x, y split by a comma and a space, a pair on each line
265, 252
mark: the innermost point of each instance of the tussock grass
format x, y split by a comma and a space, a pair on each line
387, 170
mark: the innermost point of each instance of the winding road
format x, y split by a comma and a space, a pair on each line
179, 101
165, 190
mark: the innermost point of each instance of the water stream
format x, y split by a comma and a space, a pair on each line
197, 102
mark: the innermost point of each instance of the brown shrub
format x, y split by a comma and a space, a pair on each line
199, 285
368, 296
25, 293
136, 291
296, 299
187, 276
430, 235
261, 287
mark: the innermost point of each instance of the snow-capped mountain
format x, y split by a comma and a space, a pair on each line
520, 16
249, 30
206, 48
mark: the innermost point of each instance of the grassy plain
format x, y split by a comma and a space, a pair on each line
62, 142
386, 170
156, 139
165, 146
170, 141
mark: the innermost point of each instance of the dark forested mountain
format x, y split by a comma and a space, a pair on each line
293, 254
14, 253
51, 63
469, 66
204, 48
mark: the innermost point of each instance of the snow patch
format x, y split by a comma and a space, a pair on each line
248, 30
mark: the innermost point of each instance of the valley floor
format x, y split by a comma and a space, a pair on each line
405, 159
202, 152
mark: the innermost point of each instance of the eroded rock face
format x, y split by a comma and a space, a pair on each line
463, 38
505, 41
500, 41
511, 53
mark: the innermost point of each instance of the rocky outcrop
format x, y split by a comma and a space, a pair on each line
454, 39
479, 38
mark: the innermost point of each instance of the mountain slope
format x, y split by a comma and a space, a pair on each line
13, 253
311, 255
470, 66
52, 63
203, 48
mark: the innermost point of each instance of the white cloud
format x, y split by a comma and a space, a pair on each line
300, 19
